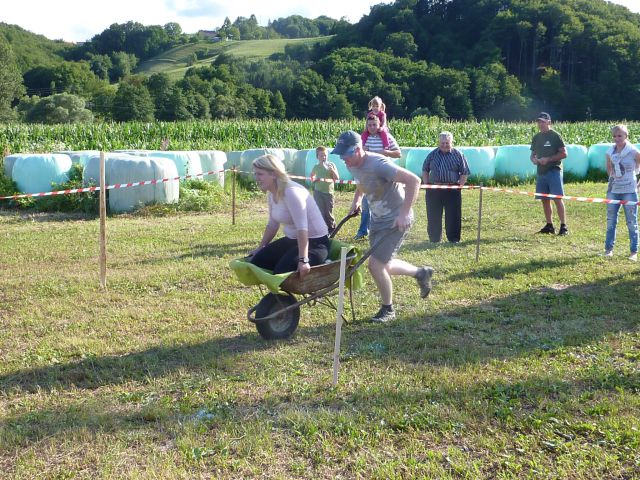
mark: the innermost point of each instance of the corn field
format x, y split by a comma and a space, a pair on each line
230, 135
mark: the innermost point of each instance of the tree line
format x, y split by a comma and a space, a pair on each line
460, 59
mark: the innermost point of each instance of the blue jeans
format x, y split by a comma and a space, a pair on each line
365, 218
631, 215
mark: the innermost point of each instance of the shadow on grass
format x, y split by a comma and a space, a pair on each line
426, 245
238, 249
499, 329
95, 372
501, 271
40, 217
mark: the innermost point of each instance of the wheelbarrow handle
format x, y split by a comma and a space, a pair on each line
349, 216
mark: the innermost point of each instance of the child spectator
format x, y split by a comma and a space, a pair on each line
323, 175
377, 108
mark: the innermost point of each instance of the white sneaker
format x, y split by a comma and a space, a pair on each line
608, 253
634, 257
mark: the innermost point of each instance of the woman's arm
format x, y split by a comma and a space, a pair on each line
295, 200
303, 252
609, 166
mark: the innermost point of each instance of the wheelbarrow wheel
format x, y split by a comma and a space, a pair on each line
281, 326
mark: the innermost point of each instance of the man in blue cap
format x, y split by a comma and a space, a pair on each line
547, 152
391, 191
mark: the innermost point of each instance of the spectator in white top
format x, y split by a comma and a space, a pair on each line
623, 161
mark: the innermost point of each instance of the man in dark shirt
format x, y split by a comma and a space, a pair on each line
444, 166
547, 152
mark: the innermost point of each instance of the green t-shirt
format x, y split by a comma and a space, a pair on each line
320, 171
546, 145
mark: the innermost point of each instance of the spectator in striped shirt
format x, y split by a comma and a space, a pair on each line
444, 166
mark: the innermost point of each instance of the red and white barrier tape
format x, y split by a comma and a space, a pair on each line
111, 187
343, 182
564, 197
506, 190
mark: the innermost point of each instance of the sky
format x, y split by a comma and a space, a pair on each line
79, 20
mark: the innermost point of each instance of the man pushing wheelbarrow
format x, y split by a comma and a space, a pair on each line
391, 191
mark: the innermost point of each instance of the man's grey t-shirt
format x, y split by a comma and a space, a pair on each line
386, 197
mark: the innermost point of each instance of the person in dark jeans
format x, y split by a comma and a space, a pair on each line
444, 166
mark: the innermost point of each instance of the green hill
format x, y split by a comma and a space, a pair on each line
32, 50
174, 62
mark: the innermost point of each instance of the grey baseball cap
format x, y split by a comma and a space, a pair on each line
345, 141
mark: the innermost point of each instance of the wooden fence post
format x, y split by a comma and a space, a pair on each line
479, 224
103, 225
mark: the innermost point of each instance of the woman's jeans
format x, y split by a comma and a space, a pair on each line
631, 215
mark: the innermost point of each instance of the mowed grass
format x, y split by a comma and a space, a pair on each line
175, 61
524, 364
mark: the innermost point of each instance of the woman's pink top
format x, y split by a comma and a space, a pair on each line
297, 210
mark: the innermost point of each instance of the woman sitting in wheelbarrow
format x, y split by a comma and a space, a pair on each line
306, 242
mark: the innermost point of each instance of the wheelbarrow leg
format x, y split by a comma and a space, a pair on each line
353, 310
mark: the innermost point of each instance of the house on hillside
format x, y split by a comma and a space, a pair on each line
210, 35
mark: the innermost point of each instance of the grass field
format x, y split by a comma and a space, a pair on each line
522, 365
174, 62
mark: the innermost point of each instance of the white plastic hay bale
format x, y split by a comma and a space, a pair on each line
577, 161
481, 160
248, 156
290, 161
137, 153
597, 156
37, 172
300, 163
515, 160
80, 157
414, 158
121, 168
10, 160
234, 159
213, 161
186, 162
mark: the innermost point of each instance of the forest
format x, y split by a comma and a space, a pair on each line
456, 59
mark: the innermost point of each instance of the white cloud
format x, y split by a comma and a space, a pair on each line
79, 20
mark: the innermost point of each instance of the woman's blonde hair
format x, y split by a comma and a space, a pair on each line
273, 164
378, 101
620, 128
